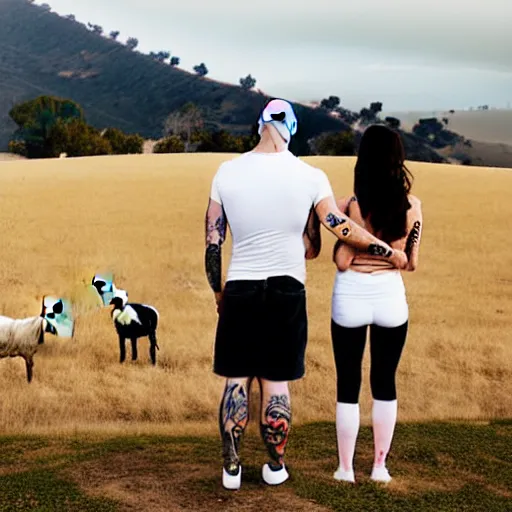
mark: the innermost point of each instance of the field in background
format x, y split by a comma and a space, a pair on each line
143, 217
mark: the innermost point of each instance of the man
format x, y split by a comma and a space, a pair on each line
270, 199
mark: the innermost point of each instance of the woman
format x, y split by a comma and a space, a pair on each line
369, 292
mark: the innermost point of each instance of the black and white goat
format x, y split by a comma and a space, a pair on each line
133, 321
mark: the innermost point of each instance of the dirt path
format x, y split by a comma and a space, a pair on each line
145, 482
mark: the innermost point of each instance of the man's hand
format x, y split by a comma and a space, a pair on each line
218, 301
399, 259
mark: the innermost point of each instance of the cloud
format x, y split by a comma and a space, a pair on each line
354, 49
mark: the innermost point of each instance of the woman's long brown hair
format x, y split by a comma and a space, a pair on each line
382, 182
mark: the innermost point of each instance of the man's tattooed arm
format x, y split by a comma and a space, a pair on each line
215, 234
312, 236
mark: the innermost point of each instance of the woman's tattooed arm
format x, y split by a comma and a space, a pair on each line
354, 235
412, 245
215, 234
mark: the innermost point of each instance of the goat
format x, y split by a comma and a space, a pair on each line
133, 321
21, 337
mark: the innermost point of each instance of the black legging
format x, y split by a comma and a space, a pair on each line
386, 344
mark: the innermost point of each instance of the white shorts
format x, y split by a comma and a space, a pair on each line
360, 299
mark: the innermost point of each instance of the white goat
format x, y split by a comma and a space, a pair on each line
21, 337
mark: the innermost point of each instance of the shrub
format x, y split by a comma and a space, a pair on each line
393, 122
171, 144
77, 138
17, 147
123, 144
218, 142
335, 144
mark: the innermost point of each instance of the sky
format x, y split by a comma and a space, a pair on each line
408, 54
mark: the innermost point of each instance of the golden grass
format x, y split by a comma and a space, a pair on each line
143, 217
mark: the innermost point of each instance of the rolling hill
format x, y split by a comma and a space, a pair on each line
44, 53
492, 126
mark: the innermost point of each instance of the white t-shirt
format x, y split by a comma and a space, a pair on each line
267, 198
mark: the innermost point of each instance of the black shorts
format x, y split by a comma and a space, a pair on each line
262, 330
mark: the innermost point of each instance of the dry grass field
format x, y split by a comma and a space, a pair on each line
143, 218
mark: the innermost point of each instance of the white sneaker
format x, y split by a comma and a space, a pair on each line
381, 475
232, 482
345, 476
272, 477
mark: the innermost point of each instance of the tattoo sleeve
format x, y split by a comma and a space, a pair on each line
233, 417
413, 238
275, 428
215, 228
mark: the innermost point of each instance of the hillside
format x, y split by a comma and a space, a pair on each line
43, 53
491, 126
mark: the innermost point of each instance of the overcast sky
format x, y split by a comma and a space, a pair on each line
409, 54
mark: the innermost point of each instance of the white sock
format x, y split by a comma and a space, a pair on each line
384, 420
347, 428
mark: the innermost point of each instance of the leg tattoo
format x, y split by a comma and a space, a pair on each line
275, 428
233, 419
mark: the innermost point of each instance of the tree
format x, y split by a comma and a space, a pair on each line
376, 107
393, 122
160, 56
114, 34
248, 82
346, 115
123, 144
25, 113
132, 43
97, 29
367, 116
184, 123
452, 111
330, 103
175, 61
36, 119
172, 144
70, 17
45, 7
428, 128
201, 69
